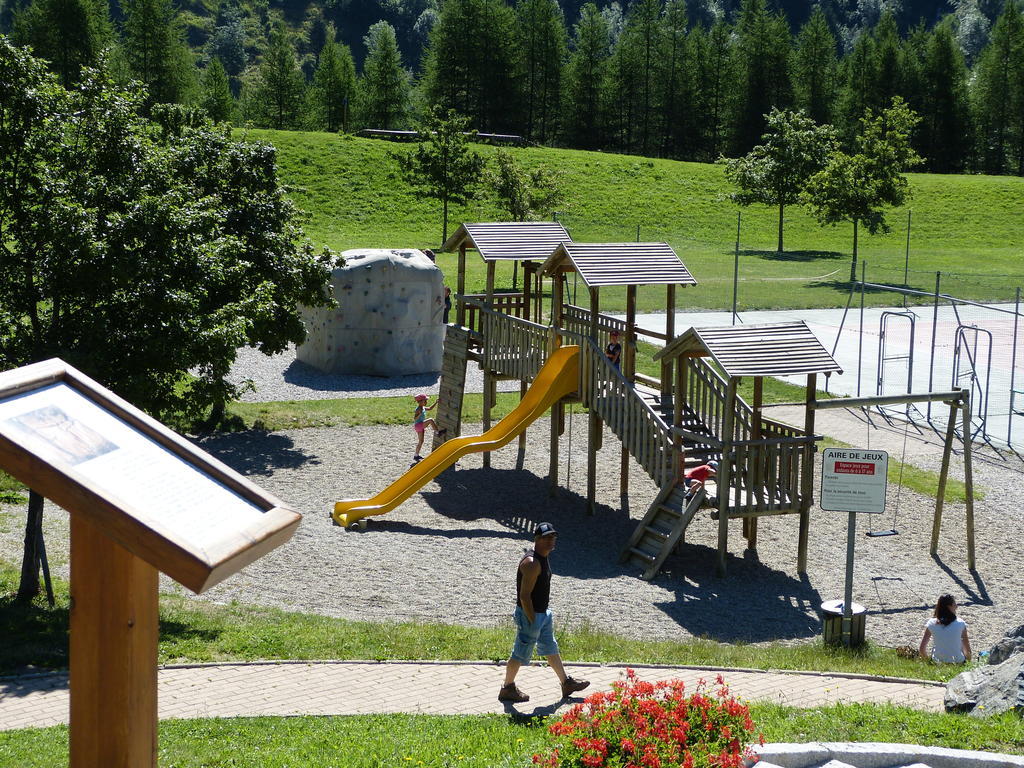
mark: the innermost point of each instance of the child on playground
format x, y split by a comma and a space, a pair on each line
694, 479
614, 349
420, 422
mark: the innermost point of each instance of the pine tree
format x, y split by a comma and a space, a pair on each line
675, 74
644, 30
69, 34
227, 42
945, 121
815, 69
996, 109
855, 96
542, 41
275, 96
585, 78
334, 87
889, 71
763, 47
215, 93
478, 80
384, 88
715, 80
154, 47
623, 96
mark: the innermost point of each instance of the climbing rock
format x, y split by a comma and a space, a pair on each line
1012, 642
990, 690
388, 321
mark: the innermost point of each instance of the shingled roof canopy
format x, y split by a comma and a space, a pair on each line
509, 241
600, 264
773, 349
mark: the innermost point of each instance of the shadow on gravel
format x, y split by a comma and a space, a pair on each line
254, 452
303, 375
753, 603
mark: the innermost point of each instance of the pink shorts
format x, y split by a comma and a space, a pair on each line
420, 427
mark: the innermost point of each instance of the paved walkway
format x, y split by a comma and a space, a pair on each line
463, 688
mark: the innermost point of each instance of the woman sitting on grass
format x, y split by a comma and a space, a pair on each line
949, 634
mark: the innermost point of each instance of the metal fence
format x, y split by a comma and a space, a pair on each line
930, 340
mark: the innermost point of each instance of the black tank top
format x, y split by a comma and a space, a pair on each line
541, 593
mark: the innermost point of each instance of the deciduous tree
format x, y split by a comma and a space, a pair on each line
144, 255
524, 194
859, 187
775, 172
442, 165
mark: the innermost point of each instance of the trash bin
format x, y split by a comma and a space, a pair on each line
832, 622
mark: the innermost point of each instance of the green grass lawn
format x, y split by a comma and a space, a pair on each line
486, 741
198, 631
966, 226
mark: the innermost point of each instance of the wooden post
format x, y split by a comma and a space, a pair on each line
113, 618
628, 363
968, 478
760, 481
528, 268
807, 475
940, 496
490, 284
460, 313
629, 356
670, 333
488, 405
724, 478
557, 422
677, 416
523, 386
594, 422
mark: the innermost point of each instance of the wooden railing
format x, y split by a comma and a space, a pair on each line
512, 346
642, 431
577, 320
511, 304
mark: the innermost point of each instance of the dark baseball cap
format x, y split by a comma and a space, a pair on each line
544, 529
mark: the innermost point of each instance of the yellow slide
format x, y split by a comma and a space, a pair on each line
559, 377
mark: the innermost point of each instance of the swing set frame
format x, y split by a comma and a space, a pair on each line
957, 400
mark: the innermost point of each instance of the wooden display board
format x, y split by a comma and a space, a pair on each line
142, 499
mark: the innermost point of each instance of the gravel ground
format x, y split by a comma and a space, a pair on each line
449, 553
282, 377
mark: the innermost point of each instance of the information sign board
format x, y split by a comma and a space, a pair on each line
152, 491
854, 480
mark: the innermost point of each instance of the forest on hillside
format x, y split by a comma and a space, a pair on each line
686, 79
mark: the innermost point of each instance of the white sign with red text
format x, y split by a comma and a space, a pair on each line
853, 480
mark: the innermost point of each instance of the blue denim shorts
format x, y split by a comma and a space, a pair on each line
540, 635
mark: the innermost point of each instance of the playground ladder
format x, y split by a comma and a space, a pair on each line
662, 529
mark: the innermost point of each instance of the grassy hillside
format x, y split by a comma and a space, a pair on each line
969, 227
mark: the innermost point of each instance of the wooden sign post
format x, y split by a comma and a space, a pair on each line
141, 499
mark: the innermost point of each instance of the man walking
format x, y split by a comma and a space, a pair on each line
533, 619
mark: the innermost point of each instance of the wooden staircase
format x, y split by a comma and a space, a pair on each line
662, 529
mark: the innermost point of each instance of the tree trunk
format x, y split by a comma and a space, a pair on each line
29, 586
853, 264
444, 226
782, 208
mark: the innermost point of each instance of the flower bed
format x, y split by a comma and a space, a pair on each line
653, 725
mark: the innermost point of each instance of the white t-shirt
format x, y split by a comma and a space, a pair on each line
947, 645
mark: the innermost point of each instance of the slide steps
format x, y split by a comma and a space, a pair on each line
662, 529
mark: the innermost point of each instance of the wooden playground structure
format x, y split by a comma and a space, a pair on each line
689, 414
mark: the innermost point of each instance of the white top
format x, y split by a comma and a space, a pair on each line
947, 645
